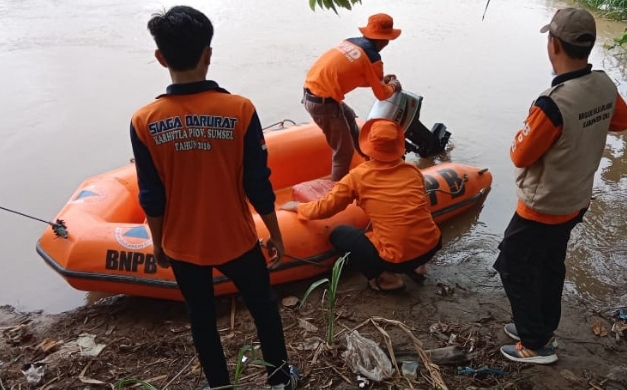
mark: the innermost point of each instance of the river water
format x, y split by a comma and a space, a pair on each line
72, 72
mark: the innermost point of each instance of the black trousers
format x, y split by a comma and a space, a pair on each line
365, 257
252, 279
532, 267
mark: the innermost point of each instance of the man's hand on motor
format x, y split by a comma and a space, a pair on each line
396, 84
388, 77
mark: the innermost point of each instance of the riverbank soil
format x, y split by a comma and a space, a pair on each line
150, 340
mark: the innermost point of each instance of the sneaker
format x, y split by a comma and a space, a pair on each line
291, 385
519, 353
510, 330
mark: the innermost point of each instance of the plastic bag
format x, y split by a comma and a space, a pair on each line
34, 373
363, 356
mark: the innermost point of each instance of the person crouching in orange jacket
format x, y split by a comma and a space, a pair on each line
404, 236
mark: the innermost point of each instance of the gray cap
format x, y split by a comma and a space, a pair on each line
571, 24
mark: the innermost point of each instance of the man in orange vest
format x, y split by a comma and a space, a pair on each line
557, 154
200, 156
354, 62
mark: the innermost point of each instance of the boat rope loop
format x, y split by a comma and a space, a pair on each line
59, 228
460, 189
281, 124
263, 245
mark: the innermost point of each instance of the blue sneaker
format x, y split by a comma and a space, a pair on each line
511, 331
291, 385
519, 353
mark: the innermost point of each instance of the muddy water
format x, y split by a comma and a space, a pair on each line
72, 72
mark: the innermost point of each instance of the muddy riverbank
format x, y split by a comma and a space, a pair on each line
150, 340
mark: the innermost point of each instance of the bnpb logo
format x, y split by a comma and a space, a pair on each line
134, 238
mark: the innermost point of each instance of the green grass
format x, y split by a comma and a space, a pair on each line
240, 367
611, 9
330, 294
333, 4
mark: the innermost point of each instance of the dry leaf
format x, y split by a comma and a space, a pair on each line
48, 345
310, 344
289, 302
618, 328
598, 328
65, 352
308, 326
89, 381
569, 375
16, 334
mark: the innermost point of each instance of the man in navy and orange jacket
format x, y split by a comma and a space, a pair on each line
353, 63
200, 155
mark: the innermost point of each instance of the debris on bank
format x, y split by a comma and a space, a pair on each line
103, 344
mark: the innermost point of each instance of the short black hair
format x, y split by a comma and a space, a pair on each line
577, 52
181, 34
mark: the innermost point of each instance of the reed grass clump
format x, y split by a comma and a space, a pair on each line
330, 294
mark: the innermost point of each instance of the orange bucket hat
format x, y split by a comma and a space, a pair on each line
382, 140
380, 26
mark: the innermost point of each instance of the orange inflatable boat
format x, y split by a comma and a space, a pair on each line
109, 249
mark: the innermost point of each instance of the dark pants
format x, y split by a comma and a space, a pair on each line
346, 238
532, 269
252, 279
337, 121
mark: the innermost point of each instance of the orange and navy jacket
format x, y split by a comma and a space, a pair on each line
543, 127
393, 196
200, 154
353, 63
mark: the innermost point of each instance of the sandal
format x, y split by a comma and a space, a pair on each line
418, 278
380, 289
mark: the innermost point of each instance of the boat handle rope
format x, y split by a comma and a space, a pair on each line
460, 189
280, 123
263, 245
59, 228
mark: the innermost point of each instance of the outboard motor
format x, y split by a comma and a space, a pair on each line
404, 108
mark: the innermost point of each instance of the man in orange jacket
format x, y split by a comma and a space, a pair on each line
404, 236
200, 157
354, 62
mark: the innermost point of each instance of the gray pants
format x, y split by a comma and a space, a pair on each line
337, 121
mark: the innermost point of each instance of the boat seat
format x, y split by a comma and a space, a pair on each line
311, 190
